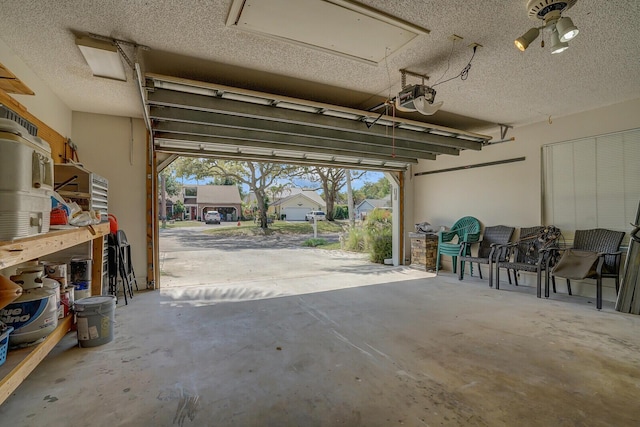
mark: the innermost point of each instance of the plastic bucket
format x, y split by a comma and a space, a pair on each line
95, 320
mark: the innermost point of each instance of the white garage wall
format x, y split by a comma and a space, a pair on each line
114, 147
507, 194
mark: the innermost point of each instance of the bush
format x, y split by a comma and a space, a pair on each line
341, 212
379, 240
354, 240
312, 243
380, 245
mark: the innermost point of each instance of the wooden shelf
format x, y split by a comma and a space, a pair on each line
20, 363
11, 84
74, 194
22, 250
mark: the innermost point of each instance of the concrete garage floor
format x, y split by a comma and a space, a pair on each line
242, 335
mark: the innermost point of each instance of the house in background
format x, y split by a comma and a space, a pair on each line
199, 199
296, 204
367, 205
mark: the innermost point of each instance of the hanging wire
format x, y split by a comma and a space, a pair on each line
453, 44
393, 133
386, 49
464, 74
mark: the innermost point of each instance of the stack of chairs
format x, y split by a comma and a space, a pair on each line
121, 266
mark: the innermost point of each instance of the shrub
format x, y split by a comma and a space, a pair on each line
341, 212
354, 240
312, 243
379, 240
380, 245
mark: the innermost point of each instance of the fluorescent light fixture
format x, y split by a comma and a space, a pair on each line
341, 114
246, 98
384, 122
527, 38
441, 132
557, 46
411, 127
566, 30
297, 107
103, 58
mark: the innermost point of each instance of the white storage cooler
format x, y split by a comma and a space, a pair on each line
26, 182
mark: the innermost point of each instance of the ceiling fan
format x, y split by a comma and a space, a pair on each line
561, 27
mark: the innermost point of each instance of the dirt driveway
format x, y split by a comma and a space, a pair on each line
213, 268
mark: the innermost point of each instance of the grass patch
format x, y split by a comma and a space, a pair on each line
312, 243
331, 246
249, 228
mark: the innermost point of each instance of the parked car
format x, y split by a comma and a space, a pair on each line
212, 217
317, 215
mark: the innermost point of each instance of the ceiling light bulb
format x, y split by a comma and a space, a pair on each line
556, 45
523, 42
566, 29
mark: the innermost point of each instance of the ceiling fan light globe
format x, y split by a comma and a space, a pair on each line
557, 46
566, 30
527, 38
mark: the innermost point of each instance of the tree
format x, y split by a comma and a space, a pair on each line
169, 185
178, 209
257, 176
376, 190
350, 205
331, 180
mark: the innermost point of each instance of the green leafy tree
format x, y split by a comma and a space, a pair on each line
376, 190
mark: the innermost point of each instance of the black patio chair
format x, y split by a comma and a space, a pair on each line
595, 254
492, 249
531, 253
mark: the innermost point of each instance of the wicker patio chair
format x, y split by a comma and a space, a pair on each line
531, 253
466, 229
492, 248
595, 255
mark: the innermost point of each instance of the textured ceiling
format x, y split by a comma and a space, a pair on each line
189, 39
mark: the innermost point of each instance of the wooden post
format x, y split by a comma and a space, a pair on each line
153, 276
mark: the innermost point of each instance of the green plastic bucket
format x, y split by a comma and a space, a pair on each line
95, 320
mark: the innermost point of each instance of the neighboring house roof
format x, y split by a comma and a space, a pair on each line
218, 194
311, 195
374, 203
284, 193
